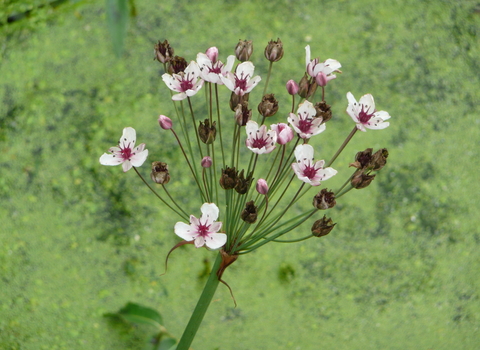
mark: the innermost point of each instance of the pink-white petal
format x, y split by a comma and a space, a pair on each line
184, 231
210, 211
216, 240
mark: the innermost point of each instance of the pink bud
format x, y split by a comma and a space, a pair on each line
212, 54
292, 87
284, 133
165, 122
262, 186
206, 162
321, 79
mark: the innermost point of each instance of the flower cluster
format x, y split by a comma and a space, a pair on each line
282, 157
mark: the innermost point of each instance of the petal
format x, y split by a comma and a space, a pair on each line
110, 159
215, 227
247, 68
331, 65
127, 165
139, 158
251, 127
230, 61
210, 212
229, 81
328, 173
376, 123
199, 241
184, 231
382, 114
216, 240
193, 69
171, 82
368, 103
203, 60
252, 83
179, 97
129, 137
307, 55
304, 152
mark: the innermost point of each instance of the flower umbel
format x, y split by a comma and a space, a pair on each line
126, 153
364, 114
204, 230
308, 171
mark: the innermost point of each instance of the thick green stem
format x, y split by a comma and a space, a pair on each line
201, 308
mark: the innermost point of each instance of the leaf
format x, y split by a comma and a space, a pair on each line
117, 22
135, 313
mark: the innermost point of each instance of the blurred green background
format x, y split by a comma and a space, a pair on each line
77, 240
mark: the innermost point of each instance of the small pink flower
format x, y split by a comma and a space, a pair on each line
262, 186
260, 140
165, 122
241, 82
314, 67
211, 69
292, 87
284, 133
206, 162
186, 83
304, 122
203, 230
364, 114
126, 153
308, 171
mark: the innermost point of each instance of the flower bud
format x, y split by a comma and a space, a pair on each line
323, 111
379, 159
165, 122
361, 180
228, 180
262, 186
160, 173
244, 50
274, 50
242, 113
212, 54
206, 162
243, 184
306, 88
362, 159
322, 227
176, 65
268, 106
163, 52
321, 79
206, 132
249, 214
324, 200
284, 133
235, 100
292, 87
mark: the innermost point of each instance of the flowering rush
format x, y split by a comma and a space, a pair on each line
260, 140
307, 170
241, 82
211, 69
126, 153
364, 114
304, 122
186, 83
203, 231
326, 68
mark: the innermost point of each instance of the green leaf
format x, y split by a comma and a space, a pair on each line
167, 344
117, 21
135, 313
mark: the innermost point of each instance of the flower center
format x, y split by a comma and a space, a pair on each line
259, 143
241, 82
126, 153
309, 172
216, 68
364, 116
304, 124
203, 230
186, 84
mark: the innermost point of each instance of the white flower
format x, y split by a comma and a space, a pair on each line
308, 171
304, 122
260, 140
203, 230
364, 114
315, 67
126, 153
187, 83
211, 69
241, 82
